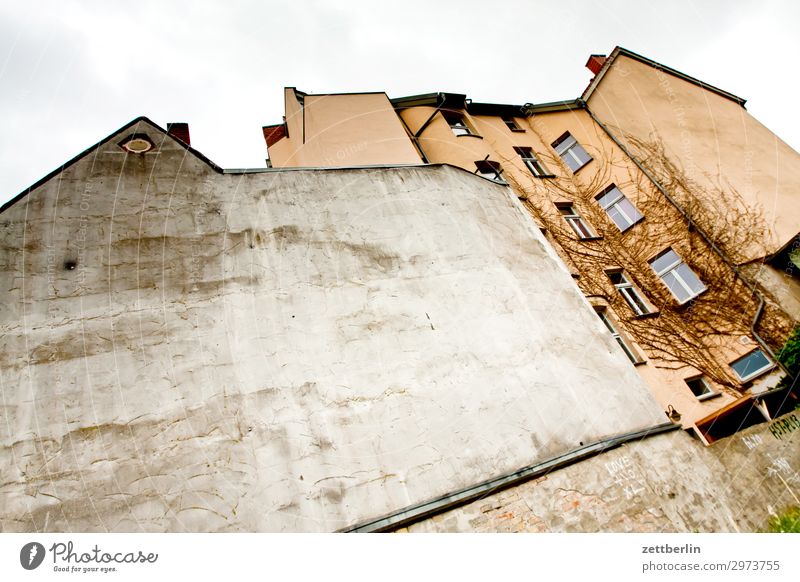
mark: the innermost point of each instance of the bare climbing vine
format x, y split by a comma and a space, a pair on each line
674, 335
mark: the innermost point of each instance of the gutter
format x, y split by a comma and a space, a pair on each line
459, 497
702, 234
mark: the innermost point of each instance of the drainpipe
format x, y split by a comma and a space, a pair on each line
702, 234
413, 139
415, 136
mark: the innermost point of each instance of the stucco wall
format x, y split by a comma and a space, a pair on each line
715, 140
353, 129
185, 350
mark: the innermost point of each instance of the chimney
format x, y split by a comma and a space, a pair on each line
595, 63
179, 131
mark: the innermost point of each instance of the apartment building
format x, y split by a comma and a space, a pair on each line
674, 210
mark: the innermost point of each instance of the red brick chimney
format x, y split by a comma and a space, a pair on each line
180, 131
595, 63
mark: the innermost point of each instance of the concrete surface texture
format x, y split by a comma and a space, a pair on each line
666, 483
190, 350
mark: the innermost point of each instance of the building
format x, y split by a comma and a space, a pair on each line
361, 345
675, 211
187, 348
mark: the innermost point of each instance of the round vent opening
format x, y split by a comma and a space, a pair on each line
138, 145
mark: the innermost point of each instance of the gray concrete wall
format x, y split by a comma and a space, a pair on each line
185, 350
665, 483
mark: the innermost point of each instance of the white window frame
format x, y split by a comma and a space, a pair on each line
769, 366
530, 160
616, 204
633, 297
673, 269
709, 392
633, 356
576, 221
566, 148
457, 126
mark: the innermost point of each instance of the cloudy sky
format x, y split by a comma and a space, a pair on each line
72, 72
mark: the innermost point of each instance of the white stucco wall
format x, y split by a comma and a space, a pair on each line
282, 351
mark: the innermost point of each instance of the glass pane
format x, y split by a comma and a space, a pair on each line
750, 364
581, 154
609, 198
565, 145
698, 387
617, 278
571, 161
635, 301
629, 209
666, 260
619, 219
688, 276
678, 290
606, 321
579, 227
626, 349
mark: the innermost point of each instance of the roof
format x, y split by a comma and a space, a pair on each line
658, 66
92, 148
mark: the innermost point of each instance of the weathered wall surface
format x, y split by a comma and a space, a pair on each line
713, 139
668, 482
185, 350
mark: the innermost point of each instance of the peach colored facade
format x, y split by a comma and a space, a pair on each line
525, 146
357, 129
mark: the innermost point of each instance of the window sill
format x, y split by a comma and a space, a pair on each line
469, 135
705, 397
650, 315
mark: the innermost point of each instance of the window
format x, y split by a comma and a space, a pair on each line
511, 124
457, 123
618, 208
575, 221
534, 165
631, 294
751, 365
629, 351
677, 275
490, 170
571, 152
700, 388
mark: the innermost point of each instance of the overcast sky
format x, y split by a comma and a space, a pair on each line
73, 72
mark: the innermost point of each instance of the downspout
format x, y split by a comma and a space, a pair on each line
702, 234
413, 139
415, 136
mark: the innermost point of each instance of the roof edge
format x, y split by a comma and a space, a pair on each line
618, 50
63, 167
